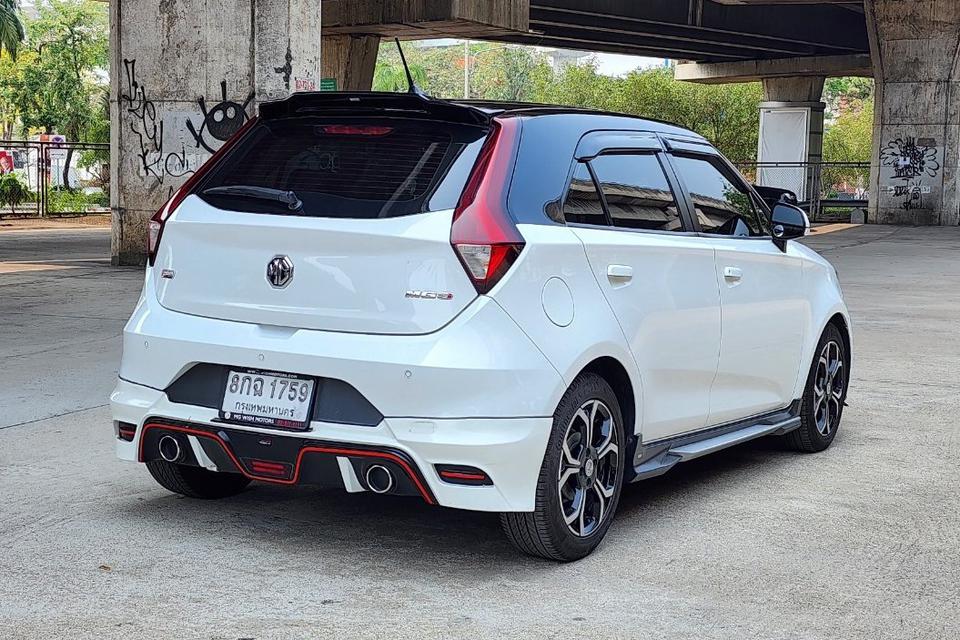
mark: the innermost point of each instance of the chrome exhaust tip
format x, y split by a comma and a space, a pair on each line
379, 478
169, 448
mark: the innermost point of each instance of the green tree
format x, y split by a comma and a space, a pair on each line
97, 161
11, 28
13, 191
851, 88
59, 89
505, 72
727, 115
849, 139
390, 76
11, 78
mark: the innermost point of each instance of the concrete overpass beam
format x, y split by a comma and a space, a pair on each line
752, 70
185, 76
916, 52
409, 20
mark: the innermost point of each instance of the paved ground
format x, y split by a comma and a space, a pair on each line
862, 541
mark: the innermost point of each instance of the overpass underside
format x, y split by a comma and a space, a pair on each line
186, 75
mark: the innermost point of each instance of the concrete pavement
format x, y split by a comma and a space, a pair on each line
59, 326
861, 541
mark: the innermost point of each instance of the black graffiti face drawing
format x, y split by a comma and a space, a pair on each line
221, 121
911, 162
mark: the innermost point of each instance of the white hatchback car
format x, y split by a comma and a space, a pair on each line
503, 308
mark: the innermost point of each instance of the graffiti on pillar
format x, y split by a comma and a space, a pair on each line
178, 165
287, 69
911, 161
221, 121
146, 124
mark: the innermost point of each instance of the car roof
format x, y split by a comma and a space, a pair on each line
608, 118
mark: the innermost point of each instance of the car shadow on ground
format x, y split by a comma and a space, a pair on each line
329, 522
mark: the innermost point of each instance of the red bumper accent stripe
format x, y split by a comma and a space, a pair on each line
341, 451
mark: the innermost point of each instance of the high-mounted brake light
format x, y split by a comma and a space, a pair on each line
159, 219
355, 130
483, 235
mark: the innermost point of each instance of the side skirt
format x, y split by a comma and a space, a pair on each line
656, 458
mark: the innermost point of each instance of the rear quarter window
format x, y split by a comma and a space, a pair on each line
356, 168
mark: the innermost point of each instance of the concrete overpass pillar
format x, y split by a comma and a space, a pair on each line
350, 60
916, 54
185, 75
791, 130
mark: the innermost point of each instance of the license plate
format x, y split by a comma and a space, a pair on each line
268, 399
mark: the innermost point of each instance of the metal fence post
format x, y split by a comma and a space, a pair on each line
43, 179
88, 188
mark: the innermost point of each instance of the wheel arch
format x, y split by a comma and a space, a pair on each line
837, 316
616, 375
840, 322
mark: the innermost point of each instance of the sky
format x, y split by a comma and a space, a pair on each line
613, 64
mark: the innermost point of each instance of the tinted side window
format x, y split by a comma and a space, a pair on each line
722, 206
637, 192
582, 204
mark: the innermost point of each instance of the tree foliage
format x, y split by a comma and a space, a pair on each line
850, 137
12, 32
60, 83
728, 115
57, 82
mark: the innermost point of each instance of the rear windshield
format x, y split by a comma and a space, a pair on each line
356, 168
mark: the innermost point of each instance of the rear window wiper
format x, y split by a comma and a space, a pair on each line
289, 198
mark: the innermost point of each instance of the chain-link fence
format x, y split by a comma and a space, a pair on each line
53, 178
829, 191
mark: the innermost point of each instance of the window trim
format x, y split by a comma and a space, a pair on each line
566, 193
709, 154
667, 169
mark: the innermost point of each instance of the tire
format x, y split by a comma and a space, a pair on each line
820, 413
195, 482
594, 473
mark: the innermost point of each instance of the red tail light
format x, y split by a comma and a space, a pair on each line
155, 226
483, 235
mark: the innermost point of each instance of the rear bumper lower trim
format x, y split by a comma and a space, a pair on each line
334, 449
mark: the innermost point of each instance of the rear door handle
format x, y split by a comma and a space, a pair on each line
732, 274
619, 273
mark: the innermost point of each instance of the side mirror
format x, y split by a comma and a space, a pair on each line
788, 222
773, 195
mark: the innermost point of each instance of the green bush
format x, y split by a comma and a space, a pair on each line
14, 191
61, 200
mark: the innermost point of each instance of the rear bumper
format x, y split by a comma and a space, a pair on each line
476, 393
507, 450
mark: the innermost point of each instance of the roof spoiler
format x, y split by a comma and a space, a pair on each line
372, 103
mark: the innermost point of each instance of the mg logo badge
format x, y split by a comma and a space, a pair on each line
280, 271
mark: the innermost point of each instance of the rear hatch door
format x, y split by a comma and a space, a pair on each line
367, 250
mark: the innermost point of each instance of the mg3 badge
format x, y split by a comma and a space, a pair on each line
280, 271
429, 295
